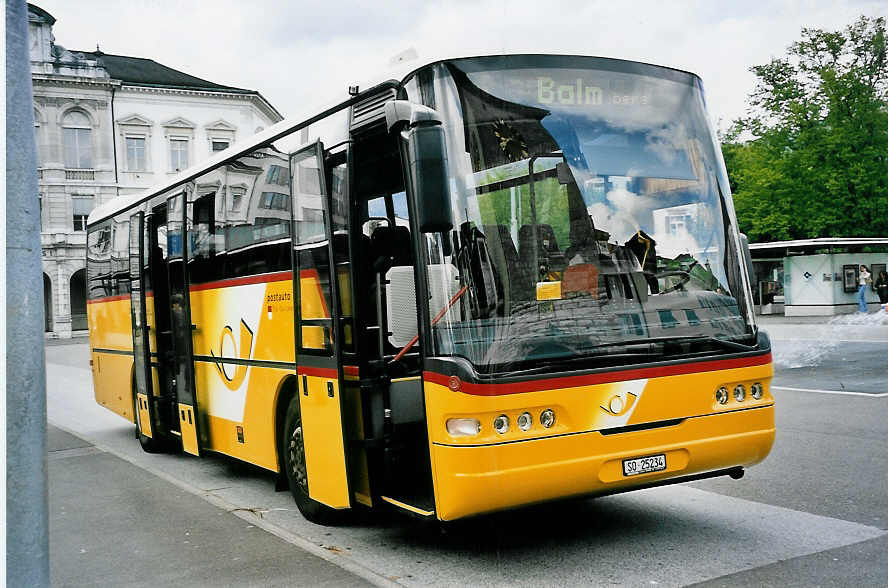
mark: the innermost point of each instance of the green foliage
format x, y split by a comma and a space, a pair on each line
817, 163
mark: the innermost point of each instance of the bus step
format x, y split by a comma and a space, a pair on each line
423, 510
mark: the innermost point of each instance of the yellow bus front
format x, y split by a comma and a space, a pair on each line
497, 446
589, 324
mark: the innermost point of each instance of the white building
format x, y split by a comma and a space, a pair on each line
108, 125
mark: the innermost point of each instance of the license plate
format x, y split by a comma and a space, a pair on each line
644, 465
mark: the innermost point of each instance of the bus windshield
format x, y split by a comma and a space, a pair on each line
588, 212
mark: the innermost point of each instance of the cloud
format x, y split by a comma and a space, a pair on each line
298, 53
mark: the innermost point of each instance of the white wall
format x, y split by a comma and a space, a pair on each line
822, 293
197, 116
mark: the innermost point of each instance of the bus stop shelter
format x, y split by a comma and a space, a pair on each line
815, 277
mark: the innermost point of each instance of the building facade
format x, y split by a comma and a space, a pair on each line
109, 125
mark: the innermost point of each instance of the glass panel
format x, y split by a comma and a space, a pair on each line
308, 196
252, 227
98, 262
135, 153
178, 154
588, 210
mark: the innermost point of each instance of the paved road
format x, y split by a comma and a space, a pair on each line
814, 513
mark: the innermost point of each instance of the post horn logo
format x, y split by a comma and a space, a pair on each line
617, 406
233, 374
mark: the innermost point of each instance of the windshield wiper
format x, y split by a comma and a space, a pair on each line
725, 343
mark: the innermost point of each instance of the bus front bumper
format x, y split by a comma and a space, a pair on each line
471, 480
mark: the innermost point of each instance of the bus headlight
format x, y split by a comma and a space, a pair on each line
547, 418
463, 427
501, 424
757, 391
739, 393
721, 395
525, 421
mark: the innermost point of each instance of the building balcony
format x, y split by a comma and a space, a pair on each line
87, 175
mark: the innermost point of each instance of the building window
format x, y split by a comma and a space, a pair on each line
178, 154
274, 201
82, 206
278, 175
678, 223
135, 154
237, 198
219, 146
77, 136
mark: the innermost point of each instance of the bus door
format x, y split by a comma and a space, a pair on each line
318, 343
145, 406
181, 368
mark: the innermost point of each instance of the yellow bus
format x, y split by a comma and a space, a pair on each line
483, 283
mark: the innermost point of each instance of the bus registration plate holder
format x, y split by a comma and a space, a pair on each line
644, 465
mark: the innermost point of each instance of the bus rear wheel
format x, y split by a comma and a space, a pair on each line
293, 454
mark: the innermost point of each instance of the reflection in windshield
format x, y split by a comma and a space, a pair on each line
588, 209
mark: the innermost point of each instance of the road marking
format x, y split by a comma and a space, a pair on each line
837, 392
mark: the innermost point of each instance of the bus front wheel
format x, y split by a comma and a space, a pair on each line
293, 453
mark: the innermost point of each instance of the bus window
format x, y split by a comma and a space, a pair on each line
337, 167
256, 215
313, 256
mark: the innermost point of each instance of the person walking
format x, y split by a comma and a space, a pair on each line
882, 287
863, 281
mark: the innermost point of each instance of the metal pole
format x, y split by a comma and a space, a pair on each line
27, 523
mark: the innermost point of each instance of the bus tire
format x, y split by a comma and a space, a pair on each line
293, 454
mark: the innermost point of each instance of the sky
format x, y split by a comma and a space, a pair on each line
309, 51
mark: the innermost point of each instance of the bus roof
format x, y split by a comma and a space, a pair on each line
397, 71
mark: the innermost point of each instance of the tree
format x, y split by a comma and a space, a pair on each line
817, 161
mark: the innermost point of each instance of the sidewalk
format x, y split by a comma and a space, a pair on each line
114, 524
872, 326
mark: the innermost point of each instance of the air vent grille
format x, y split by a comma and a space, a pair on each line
370, 110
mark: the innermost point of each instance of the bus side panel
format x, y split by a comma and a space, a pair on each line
250, 320
111, 351
251, 439
491, 471
324, 444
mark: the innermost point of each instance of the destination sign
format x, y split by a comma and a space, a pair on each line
579, 92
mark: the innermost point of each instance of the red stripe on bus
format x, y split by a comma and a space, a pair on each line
230, 282
330, 373
351, 370
600, 378
109, 299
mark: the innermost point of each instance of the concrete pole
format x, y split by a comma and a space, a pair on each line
27, 521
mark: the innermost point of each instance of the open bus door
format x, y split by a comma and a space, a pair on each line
318, 353
146, 421
182, 368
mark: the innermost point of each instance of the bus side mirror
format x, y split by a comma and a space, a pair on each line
426, 157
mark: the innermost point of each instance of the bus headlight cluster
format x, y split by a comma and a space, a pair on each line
547, 418
463, 427
757, 391
739, 392
501, 424
524, 421
721, 395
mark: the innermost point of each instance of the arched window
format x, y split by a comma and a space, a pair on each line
47, 303
78, 301
78, 140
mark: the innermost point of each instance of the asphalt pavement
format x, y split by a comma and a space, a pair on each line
115, 524
814, 513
